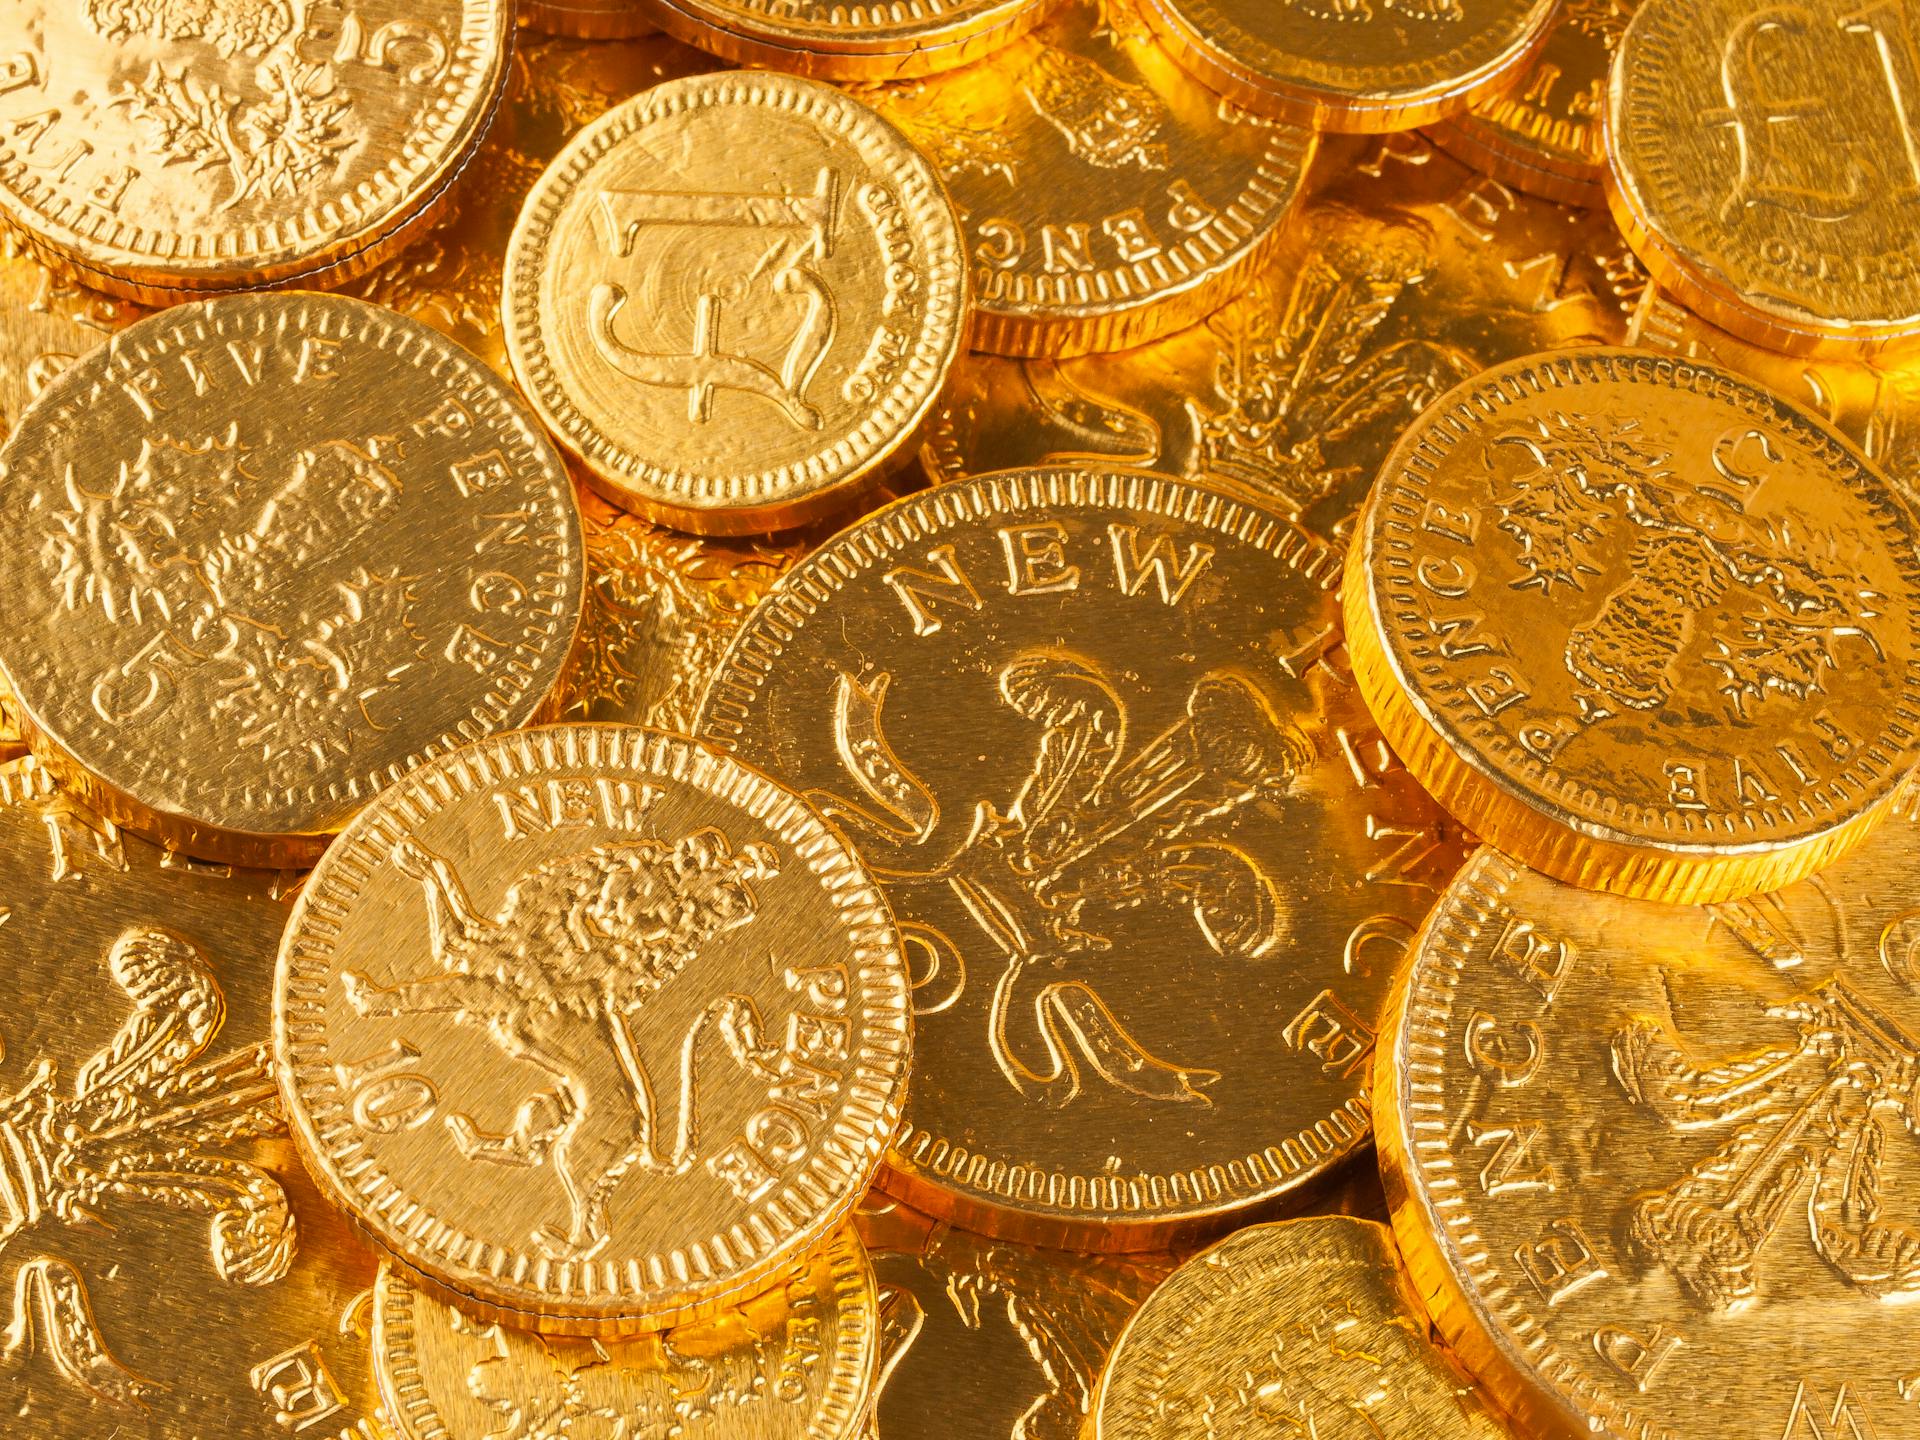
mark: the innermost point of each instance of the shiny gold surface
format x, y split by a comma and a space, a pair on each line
1107, 198
166, 1268
1356, 65
1641, 623
1301, 1328
1652, 1165
48, 320
1094, 734
274, 551
794, 1362
167, 147
734, 297
1543, 134
860, 41
587, 19
1403, 273
1765, 162
592, 1027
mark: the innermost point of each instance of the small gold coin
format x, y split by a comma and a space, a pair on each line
1641, 623
1543, 134
734, 297
792, 1362
169, 1271
1355, 65
862, 41
193, 145
1107, 198
588, 19
592, 1027
1764, 163
1153, 865
1651, 1164
275, 550
1302, 1328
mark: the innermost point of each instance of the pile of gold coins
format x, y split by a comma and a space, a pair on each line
959, 720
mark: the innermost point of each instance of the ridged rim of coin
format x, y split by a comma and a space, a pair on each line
1505, 791
695, 1273
856, 42
336, 236
785, 495
587, 19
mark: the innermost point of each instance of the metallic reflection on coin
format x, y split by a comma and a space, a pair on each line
832, 41
48, 320
587, 19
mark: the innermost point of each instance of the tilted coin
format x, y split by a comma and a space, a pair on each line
166, 1269
1764, 162
592, 1027
1642, 623
1542, 135
793, 1362
1356, 65
1107, 198
1402, 273
734, 297
1305, 1328
176, 148
850, 42
588, 19
276, 550
1652, 1165
1153, 865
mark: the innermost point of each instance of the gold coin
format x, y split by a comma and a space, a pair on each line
1402, 273
588, 19
47, 321
1107, 198
831, 41
1641, 623
1355, 65
1543, 134
494, 1059
793, 1362
1764, 161
168, 1270
1301, 1328
800, 296
283, 548
1153, 865
174, 148
1650, 1162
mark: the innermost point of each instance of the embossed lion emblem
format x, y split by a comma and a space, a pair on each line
557, 978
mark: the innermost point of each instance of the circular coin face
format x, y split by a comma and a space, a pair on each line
1641, 623
850, 42
1365, 65
1308, 1322
587, 19
1764, 163
592, 1026
1152, 864
275, 550
189, 146
795, 1361
1107, 197
1648, 1162
734, 297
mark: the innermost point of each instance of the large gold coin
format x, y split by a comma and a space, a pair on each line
1402, 273
1356, 65
195, 145
166, 1269
1154, 866
1765, 161
588, 19
1302, 1328
592, 1027
862, 41
1107, 198
793, 1362
274, 551
734, 297
1641, 623
1652, 1165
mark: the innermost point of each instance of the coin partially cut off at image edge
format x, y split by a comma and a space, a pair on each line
795, 1361
276, 550
1155, 878
587, 19
1643, 1158
592, 1027
1642, 623
827, 41
732, 350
